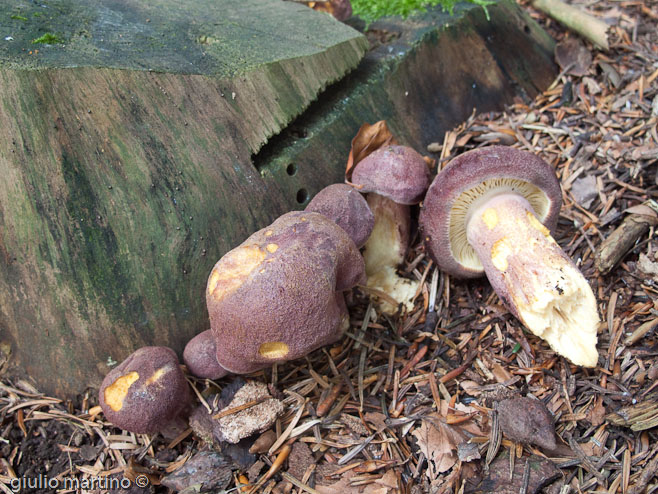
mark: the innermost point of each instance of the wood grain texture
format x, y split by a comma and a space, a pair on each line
123, 186
432, 76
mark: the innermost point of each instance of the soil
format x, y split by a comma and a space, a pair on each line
407, 393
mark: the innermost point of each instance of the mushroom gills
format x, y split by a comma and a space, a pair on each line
534, 278
385, 250
471, 199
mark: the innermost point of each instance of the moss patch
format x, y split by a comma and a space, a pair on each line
371, 10
47, 39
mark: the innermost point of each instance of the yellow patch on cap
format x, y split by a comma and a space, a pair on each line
490, 218
273, 350
271, 248
269, 233
500, 251
157, 375
233, 269
116, 392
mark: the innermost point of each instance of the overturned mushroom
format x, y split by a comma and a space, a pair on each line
278, 295
394, 177
146, 392
491, 211
200, 357
347, 207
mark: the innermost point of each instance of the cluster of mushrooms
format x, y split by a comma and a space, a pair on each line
280, 294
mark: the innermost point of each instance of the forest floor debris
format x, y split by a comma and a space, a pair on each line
404, 406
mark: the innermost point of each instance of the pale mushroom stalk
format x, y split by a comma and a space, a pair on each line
394, 178
534, 277
385, 250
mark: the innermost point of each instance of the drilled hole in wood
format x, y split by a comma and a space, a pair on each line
302, 196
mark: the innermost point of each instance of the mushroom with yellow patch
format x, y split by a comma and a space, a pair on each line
491, 211
145, 393
394, 178
279, 295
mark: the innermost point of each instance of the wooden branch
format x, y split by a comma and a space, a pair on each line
620, 241
577, 20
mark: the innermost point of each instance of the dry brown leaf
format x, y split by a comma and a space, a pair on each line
438, 441
369, 138
642, 209
596, 414
377, 419
500, 373
647, 267
471, 387
389, 480
340, 9
573, 56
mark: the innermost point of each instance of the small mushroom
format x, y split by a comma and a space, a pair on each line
394, 177
491, 211
278, 295
347, 207
200, 357
146, 392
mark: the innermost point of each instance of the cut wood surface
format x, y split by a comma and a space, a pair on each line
437, 70
122, 186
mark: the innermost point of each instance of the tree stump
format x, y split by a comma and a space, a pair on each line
148, 139
127, 131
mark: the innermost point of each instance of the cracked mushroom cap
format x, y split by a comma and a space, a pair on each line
396, 172
278, 295
348, 208
145, 392
200, 357
470, 179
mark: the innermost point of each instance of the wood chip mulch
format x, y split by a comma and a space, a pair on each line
407, 404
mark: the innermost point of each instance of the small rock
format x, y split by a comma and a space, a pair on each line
353, 424
257, 418
88, 453
527, 420
299, 460
468, 452
241, 424
496, 393
542, 472
206, 471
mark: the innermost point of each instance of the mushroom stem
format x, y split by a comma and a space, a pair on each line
535, 279
385, 250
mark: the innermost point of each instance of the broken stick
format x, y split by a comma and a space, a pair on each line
620, 241
588, 26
